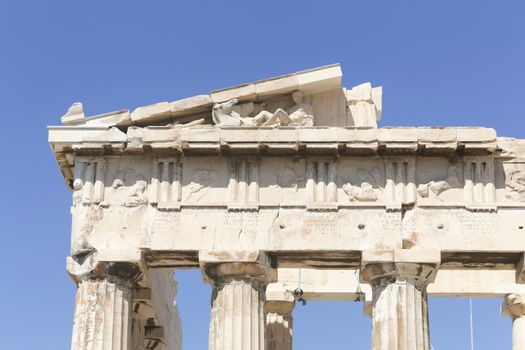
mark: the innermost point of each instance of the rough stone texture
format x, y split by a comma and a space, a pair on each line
103, 315
138, 333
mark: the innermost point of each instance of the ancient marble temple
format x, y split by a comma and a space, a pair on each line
283, 181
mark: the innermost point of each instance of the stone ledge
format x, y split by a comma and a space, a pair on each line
258, 140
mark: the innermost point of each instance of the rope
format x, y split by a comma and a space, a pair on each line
298, 292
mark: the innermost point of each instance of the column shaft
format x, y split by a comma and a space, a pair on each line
279, 325
514, 306
400, 312
400, 318
237, 317
518, 333
239, 280
102, 315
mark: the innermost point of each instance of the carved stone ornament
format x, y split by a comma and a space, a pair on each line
138, 195
516, 185
299, 114
368, 190
364, 193
364, 105
433, 189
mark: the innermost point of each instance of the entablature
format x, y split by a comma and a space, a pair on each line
70, 141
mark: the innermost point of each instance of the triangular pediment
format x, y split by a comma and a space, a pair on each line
315, 95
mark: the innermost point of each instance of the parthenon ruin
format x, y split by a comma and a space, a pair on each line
261, 183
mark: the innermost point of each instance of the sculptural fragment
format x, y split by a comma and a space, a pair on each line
138, 195
200, 181
433, 189
300, 114
364, 105
363, 193
515, 185
368, 189
74, 115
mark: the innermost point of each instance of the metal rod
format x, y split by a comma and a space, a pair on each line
471, 326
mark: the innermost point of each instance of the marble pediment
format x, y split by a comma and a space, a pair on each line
308, 98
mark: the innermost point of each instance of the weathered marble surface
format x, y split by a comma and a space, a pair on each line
292, 170
279, 320
238, 298
514, 306
273, 203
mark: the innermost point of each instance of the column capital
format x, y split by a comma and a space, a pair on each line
121, 268
220, 266
279, 300
514, 305
417, 267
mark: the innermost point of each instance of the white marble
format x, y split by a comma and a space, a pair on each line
103, 315
251, 183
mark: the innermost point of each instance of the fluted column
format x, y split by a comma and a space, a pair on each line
279, 322
239, 281
102, 315
400, 313
514, 306
103, 310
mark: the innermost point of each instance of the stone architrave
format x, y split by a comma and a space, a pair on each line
514, 306
239, 281
279, 321
103, 311
400, 312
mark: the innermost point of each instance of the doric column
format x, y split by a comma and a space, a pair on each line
400, 313
279, 322
239, 281
514, 306
103, 310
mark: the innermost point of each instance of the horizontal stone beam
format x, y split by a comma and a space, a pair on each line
346, 259
289, 140
308, 81
343, 285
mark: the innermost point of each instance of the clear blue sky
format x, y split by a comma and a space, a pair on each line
440, 63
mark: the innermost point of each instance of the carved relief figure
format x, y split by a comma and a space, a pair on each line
138, 194
434, 188
364, 105
516, 185
298, 115
222, 114
129, 189
367, 190
364, 193
200, 181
